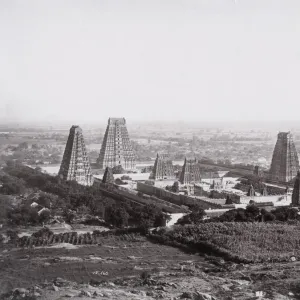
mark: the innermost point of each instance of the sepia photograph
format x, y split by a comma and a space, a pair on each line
149, 149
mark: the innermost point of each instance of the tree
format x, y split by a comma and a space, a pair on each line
175, 187
126, 177
252, 212
195, 217
117, 216
44, 216
118, 170
13, 187
68, 215
266, 216
228, 200
46, 199
118, 181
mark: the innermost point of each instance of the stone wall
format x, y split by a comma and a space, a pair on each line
174, 198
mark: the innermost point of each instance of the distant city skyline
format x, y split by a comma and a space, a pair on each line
189, 60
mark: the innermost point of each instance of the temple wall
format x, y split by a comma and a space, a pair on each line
177, 199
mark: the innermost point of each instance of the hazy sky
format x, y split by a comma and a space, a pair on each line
195, 60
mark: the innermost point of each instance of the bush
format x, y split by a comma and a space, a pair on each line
43, 233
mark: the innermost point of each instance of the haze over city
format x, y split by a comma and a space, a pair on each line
83, 61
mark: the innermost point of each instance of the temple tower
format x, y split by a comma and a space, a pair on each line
163, 168
296, 191
75, 164
251, 191
108, 176
116, 148
285, 163
190, 172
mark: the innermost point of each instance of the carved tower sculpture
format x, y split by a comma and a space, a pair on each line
285, 163
116, 148
163, 168
75, 164
191, 172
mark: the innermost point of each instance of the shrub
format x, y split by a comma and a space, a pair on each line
43, 233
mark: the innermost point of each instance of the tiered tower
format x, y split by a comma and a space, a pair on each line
163, 168
190, 172
285, 163
75, 164
108, 176
116, 148
296, 191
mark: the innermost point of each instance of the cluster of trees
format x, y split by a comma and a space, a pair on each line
26, 215
143, 216
118, 170
73, 198
173, 188
12, 185
30, 154
253, 214
194, 218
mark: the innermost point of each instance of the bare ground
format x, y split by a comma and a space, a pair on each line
113, 270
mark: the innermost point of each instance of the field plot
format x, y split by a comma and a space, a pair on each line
118, 268
114, 258
252, 242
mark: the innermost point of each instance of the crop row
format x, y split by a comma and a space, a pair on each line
68, 237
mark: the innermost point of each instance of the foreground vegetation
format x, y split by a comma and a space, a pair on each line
247, 242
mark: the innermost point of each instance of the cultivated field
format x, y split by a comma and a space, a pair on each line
252, 242
113, 258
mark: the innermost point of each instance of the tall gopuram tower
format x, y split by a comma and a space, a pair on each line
191, 172
285, 163
163, 168
116, 148
75, 164
296, 191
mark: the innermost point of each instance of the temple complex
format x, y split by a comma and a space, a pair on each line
75, 164
285, 163
163, 168
116, 148
190, 173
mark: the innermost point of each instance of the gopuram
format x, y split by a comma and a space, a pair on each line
285, 163
116, 148
75, 164
163, 168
